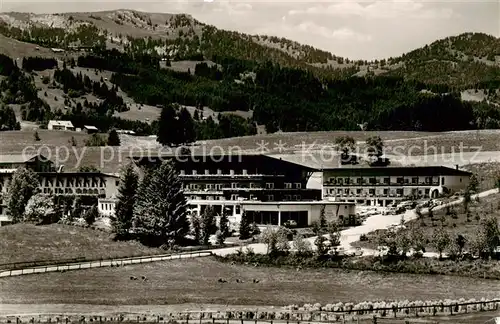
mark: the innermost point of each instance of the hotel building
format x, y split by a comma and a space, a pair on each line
270, 191
55, 182
383, 186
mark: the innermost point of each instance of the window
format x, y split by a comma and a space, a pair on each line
244, 172
218, 186
288, 185
238, 209
387, 180
347, 181
182, 172
234, 197
296, 197
234, 185
414, 180
219, 171
288, 197
359, 180
358, 191
270, 197
339, 181
298, 185
269, 185
194, 172
442, 181
117, 183
400, 180
386, 192
231, 172
372, 180
207, 172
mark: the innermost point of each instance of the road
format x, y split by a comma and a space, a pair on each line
371, 224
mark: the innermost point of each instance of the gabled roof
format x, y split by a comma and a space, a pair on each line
90, 127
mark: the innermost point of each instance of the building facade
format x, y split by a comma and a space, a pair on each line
268, 190
60, 125
91, 185
384, 186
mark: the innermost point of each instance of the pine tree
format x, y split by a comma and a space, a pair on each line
245, 231
224, 225
23, 185
207, 225
168, 127
186, 127
113, 138
124, 212
160, 215
91, 215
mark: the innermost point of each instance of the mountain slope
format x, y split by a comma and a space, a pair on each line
466, 61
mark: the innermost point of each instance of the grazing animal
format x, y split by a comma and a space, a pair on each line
256, 281
299, 268
133, 278
144, 278
239, 281
222, 280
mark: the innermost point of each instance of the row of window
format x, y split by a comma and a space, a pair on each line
235, 185
384, 192
385, 180
75, 183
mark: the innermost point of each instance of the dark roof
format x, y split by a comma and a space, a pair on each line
399, 171
197, 157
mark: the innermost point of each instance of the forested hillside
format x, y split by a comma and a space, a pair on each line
283, 85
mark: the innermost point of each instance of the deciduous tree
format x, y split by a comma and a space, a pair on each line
23, 185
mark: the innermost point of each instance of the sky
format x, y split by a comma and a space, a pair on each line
348, 28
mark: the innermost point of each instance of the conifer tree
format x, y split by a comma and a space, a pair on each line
245, 231
160, 215
168, 127
113, 138
124, 212
186, 127
224, 225
207, 224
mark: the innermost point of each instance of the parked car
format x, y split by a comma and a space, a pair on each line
290, 223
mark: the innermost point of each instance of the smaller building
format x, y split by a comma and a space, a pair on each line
60, 125
125, 131
90, 129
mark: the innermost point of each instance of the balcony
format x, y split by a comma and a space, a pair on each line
392, 184
228, 176
203, 192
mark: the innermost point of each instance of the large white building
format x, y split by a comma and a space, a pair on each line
93, 185
383, 186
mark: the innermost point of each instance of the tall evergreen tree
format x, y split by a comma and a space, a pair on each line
124, 212
168, 131
186, 127
24, 184
245, 231
113, 138
207, 225
8, 119
224, 225
160, 215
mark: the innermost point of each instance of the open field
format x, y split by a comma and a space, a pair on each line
23, 242
195, 281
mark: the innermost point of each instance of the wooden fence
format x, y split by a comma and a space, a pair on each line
373, 315
102, 263
49, 262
